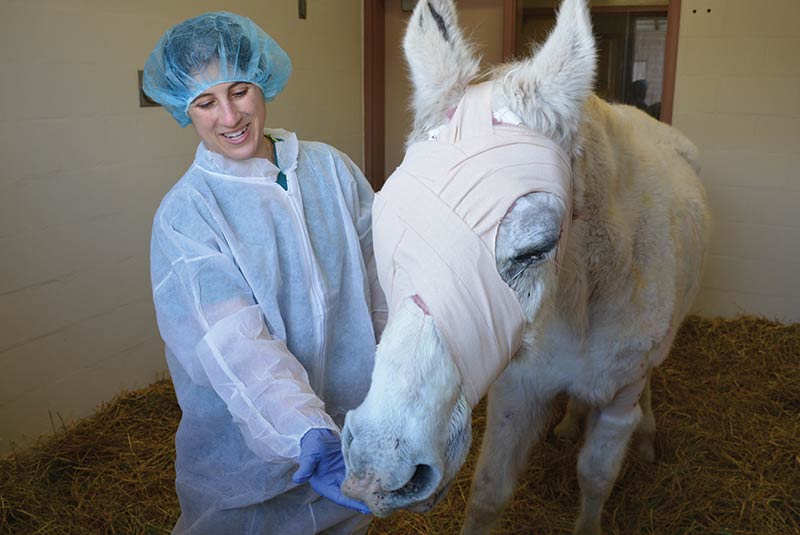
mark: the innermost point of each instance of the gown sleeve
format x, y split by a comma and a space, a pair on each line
362, 206
209, 319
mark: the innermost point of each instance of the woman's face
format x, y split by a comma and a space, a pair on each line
229, 118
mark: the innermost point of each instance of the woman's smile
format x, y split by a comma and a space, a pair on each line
237, 137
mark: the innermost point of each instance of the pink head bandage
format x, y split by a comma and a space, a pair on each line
435, 224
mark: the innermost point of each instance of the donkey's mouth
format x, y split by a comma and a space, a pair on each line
419, 494
427, 505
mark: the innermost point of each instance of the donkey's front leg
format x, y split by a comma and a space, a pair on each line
609, 431
515, 420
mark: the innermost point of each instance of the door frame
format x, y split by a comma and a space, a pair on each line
374, 91
375, 76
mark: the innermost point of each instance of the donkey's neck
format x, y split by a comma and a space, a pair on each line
600, 248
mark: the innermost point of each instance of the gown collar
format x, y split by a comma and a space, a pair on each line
286, 148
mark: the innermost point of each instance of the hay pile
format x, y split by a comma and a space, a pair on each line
727, 403
111, 473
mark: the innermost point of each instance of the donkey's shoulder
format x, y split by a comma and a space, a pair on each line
658, 135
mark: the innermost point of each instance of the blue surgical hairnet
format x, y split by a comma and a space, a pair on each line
210, 49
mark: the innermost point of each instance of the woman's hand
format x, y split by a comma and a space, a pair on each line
322, 466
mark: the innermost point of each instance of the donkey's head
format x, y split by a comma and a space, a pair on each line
454, 323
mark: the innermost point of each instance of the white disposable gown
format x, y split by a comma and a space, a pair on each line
269, 305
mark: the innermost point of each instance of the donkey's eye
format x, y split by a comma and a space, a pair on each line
529, 257
534, 254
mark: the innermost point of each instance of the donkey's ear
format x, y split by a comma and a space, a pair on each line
440, 60
548, 90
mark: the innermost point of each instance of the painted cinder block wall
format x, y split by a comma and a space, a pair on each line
737, 96
84, 167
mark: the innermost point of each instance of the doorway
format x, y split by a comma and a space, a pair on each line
637, 53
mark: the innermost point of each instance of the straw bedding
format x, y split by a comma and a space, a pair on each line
727, 405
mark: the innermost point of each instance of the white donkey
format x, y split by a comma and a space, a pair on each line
601, 304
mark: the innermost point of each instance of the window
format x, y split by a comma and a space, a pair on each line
631, 45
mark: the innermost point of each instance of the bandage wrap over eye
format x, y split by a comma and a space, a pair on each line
211, 49
435, 225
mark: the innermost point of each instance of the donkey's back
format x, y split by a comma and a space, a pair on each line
641, 225
630, 275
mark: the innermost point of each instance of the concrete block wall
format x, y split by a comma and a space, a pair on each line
737, 96
84, 168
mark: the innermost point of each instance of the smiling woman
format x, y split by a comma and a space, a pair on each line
229, 118
265, 291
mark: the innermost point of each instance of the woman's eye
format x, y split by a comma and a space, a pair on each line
240, 94
205, 105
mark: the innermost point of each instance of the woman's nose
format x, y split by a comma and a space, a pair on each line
230, 114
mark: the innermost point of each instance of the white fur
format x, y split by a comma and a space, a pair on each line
631, 269
440, 69
548, 89
445, 418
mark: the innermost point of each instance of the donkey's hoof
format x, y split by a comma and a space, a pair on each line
645, 448
567, 430
587, 527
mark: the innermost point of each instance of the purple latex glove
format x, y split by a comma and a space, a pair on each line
322, 466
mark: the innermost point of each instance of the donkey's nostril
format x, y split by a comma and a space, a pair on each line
423, 482
347, 437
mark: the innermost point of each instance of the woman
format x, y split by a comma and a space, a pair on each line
265, 293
